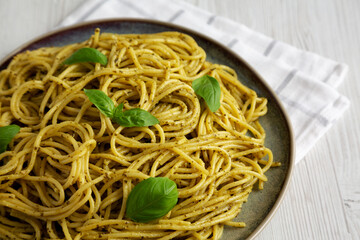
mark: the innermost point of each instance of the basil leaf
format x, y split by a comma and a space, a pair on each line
151, 199
130, 118
118, 111
101, 101
86, 55
135, 117
209, 89
7, 133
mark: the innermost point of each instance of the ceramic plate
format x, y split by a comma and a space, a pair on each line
261, 205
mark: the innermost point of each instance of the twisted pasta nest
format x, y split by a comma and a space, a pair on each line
68, 172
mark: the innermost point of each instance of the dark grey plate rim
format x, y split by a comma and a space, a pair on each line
4, 62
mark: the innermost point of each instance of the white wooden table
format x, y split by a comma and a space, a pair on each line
323, 201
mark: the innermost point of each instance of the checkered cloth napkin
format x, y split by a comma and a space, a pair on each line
305, 82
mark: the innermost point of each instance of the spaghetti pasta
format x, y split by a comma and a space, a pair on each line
68, 172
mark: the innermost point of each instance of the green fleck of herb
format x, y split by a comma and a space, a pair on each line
151, 199
7, 133
208, 88
86, 55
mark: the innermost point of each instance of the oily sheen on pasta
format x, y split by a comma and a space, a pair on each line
68, 172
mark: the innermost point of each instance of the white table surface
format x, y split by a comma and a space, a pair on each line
323, 201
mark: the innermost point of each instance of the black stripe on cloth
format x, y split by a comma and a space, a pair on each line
232, 43
91, 10
286, 81
137, 9
211, 19
176, 15
316, 115
269, 47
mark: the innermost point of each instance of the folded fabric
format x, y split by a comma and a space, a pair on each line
305, 82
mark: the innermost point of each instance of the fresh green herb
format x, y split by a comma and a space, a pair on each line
7, 133
86, 55
151, 199
209, 89
135, 117
101, 101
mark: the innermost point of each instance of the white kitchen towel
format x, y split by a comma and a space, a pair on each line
305, 82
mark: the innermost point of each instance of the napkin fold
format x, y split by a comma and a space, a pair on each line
305, 82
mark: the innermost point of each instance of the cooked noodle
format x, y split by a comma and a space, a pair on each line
68, 172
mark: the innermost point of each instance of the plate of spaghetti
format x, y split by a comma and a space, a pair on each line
137, 129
